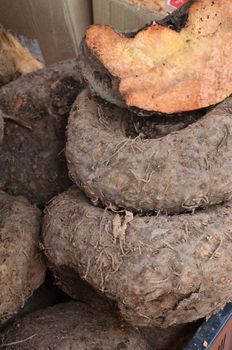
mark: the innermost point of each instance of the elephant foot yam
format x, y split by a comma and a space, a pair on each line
162, 270
14, 58
36, 107
22, 269
161, 69
73, 326
183, 170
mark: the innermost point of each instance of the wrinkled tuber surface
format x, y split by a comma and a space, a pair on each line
73, 326
32, 162
183, 170
22, 269
14, 59
161, 69
161, 270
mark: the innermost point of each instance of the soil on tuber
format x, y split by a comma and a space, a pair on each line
183, 170
22, 269
161, 270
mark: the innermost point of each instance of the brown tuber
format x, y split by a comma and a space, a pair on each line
161, 270
22, 269
73, 326
186, 169
160, 69
35, 110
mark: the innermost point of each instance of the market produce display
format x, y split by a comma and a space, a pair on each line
116, 187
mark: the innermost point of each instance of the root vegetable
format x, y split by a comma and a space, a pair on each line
22, 269
159, 68
181, 171
35, 110
72, 326
163, 271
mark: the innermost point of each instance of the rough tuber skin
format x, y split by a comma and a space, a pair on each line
160, 69
73, 326
22, 268
161, 270
186, 169
35, 110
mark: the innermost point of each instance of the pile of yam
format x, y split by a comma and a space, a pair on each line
116, 187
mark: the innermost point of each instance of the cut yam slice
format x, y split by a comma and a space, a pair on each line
160, 69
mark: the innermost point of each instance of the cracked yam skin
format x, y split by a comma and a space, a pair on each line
181, 171
73, 326
22, 269
160, 69
32, 161
163, 271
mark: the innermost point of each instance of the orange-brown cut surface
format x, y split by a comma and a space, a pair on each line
160, 69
